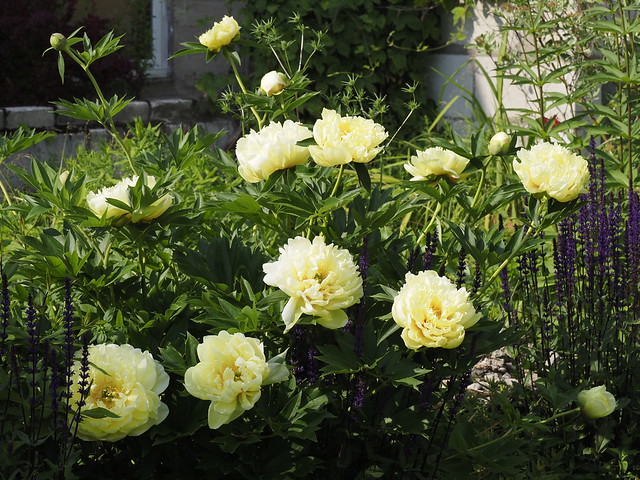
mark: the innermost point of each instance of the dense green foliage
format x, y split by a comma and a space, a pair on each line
383, 44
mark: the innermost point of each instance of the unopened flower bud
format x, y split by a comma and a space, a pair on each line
63, 177
596, 402
273, 83
499, 144
58, 41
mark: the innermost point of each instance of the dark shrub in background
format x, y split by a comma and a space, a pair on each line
28, 78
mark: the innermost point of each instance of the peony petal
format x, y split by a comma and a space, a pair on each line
329, 156
215, 418
333, 319
292, 312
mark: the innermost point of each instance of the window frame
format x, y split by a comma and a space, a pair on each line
159, 67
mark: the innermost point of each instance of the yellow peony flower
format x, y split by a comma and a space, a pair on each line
221, 34
98, 204
434, 162
126, 381
343, 140
432, 311
273, 83
596, 402
321, 280
499, 144
548, 168
272, 148
231, 371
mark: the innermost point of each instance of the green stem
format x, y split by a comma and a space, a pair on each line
108, 123
538, 85
143, 273
236, 73
480, 185
627, 61
504, 264
4, 191
335, 186
502, 114
428, 227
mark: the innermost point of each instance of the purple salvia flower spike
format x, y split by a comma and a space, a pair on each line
83, 378
5, 313
363, 265
360, 389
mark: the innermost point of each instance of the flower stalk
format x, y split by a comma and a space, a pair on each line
232, 62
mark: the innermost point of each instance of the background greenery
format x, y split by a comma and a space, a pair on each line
377, 47
25, 27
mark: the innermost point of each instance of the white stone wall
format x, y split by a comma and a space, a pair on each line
465, 67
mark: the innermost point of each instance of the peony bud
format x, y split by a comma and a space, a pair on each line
596, 402
58, 41
273, 83
62, 178
499, 144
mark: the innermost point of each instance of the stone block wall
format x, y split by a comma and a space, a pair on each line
171, 113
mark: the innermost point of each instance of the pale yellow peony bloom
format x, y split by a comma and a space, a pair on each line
432, 311
272, 148
231, 371
126, 381
343, 140
222, 33
596, 402
548, 168
322, 280
499, 144
98, 204
273, 83
434, 162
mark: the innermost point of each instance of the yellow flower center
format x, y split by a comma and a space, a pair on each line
107, 395
436, 309
320, 276
103, 393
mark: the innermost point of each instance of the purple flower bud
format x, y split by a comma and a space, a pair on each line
430, 251
5, 313
477, 280
83, 377
360, 389
411, 261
